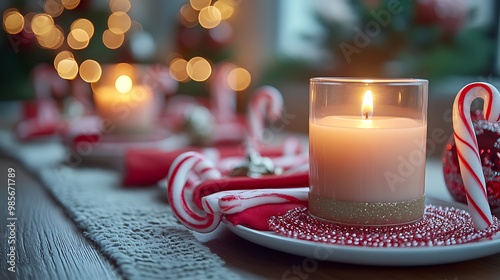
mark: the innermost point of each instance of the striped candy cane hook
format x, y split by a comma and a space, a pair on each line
180, 191
468, 149
266, 102
223, 98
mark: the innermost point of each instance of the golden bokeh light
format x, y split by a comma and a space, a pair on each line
209, 17
198, 69
53, 39
67, 68
177, 69
188, 16
112, 40
78, 39
42, 24
13, 21
70, 4
53, 7
90, 71
62, 55
119, 6
124, 69
239, 79
226, 9
123, 84
85, 25
119, 22
198, 5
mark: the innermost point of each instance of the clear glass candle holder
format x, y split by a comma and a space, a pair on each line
124, 99
367, 144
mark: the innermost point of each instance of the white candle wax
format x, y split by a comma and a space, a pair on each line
133, 110
381, 159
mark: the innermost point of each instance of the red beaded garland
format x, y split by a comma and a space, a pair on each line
439, 227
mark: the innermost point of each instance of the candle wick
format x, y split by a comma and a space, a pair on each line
366, 115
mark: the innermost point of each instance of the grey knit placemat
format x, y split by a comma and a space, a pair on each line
132, 227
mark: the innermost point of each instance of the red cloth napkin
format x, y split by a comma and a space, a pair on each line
257, 217
40, 119
145, 167
33, 129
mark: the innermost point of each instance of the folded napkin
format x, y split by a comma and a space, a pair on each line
258, 217
201, 197
146, 167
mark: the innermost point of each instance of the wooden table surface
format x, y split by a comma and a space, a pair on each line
51, 247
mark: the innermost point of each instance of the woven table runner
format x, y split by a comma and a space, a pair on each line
133, 228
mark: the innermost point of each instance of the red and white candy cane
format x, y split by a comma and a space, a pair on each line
231, 202
266, 102
222, 97
181, 189
468, 149
186, 192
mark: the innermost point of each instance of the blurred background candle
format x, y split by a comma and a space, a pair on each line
367, 150
125, 106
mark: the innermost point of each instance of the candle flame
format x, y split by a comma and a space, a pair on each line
367, 107
123, 84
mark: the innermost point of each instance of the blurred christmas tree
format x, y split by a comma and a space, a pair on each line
36, 32
425, 38
388, 38
204, 38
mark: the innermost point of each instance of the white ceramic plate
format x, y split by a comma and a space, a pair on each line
413, 256
369, 255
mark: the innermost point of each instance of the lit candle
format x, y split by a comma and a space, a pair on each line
366, 169
127, 107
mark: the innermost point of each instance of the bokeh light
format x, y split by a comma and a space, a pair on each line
119, 22
85, 25
188, 16
62, 55
142, 45
53, 39
90, 71
178, 69
119, 6
198, 5
123, 69
13, 21
209, 17
70, 4
53, 7
239, 79
42, 24
198, 69
226, 8
67, 68
123, 84
78, 39
112, 40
